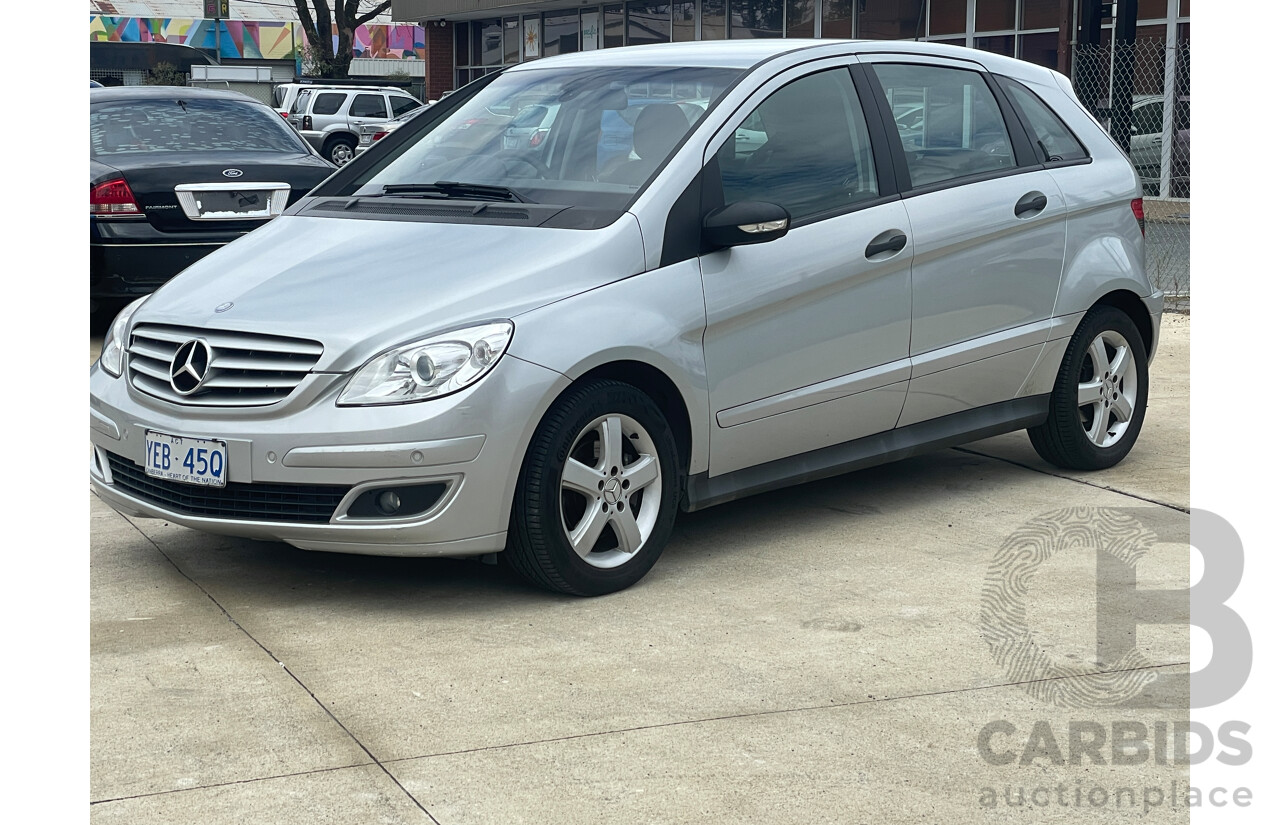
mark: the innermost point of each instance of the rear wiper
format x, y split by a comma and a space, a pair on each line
454, 189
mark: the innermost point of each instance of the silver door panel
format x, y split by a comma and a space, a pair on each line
871, 379
976, 384
802, 430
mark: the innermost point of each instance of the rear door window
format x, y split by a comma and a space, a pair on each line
948, 121
369, 106
401, 104
328, 103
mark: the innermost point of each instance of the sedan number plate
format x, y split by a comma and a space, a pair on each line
201, 461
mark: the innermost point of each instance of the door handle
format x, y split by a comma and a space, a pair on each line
891, 241
1030, 204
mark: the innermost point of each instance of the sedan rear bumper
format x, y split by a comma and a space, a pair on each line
137, 263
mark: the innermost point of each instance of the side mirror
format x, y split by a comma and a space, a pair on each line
745, 222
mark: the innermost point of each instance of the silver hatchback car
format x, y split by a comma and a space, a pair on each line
784, 287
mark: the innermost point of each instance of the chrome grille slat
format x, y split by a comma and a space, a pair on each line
247, 370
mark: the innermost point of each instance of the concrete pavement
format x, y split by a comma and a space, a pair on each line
819, 654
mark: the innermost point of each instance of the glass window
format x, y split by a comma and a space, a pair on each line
559, 33
999, 44
1041, 49
328, 104
713, 20
683, 16
889, 19
369, 106
1148, 118
806, 148
511, 36
948, 122
300, 102
401, 104
544, 132
648, 23
136, 126
1040, 14
461, 37
615, 29
490, 48
800, 18
1054, 140
837, 18
994, 15
752, 18
1153, 9
948, 16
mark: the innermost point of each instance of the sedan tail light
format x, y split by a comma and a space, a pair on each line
1136, 205
114, 197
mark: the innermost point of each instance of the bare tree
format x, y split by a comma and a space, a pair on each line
319, 22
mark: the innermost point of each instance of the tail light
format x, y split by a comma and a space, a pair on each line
537, 137
379, 135
113, 197
1136, 205
306, 122
284, 115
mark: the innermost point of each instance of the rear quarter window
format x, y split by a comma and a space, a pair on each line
1053, 140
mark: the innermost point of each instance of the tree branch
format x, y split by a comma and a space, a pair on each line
365, 18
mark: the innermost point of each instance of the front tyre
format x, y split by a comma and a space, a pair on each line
597, 494
1099, 400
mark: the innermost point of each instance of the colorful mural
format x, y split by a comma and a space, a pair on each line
254, 39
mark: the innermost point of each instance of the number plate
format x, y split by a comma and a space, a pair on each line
201, 461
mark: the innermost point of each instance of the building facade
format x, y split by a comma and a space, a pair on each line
483, 36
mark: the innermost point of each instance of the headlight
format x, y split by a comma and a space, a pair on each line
429, 368
112, 357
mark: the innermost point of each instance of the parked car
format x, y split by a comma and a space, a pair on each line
371, 133
330, 119
581, 352
175, 173
93, 84
1147, 143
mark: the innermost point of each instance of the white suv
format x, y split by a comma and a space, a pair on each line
330, 118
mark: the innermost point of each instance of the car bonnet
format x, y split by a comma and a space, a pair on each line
360, 287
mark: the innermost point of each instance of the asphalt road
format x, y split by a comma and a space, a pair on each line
819, 654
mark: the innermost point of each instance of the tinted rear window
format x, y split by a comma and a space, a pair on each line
178, 125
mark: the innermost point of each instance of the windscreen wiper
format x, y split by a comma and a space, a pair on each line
456, 189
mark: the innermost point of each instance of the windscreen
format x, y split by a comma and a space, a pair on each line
181, 125
577, 137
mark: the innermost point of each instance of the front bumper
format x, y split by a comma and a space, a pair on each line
471, 442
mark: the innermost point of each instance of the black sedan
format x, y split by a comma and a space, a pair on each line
175, 173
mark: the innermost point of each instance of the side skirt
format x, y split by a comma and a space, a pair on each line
703, 491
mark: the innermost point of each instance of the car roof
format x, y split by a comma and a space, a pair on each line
165, 92
743, 54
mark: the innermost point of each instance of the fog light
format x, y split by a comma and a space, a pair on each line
388, 502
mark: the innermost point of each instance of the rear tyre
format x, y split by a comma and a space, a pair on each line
597, 494
1099, 400
340, 150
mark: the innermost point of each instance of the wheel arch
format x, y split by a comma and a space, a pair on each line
656, 384
1130, 304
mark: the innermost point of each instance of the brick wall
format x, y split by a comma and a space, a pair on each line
439, 42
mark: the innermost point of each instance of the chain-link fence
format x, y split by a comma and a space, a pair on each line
1154, 78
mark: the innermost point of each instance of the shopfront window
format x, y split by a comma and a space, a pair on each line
949, 16
1040, 14
615, 29
560, 33
837, 18
750, 19
713, 19
995, 15
800, 18
648, 23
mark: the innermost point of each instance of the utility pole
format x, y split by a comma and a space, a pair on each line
1124, 39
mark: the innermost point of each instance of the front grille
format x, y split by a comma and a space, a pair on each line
296, 503
247, 369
